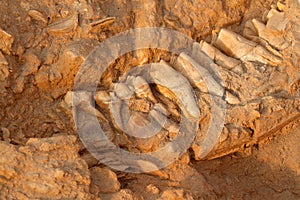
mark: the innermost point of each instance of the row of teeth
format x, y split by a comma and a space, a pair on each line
228, 50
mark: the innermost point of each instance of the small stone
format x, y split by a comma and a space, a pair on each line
123, 194
4, 71
231, 99
152, 189
19, 86
89, 159
42, 77
175, 194
32, 62
6, 41
5, 134
103, 180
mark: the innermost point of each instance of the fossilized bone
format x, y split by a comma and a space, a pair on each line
261, 83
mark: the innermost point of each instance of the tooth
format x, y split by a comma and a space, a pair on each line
183, 64
168, 77
220, 58
159, 114
141, 126
206, 62
142, 88
123, 91
116, 108
281, 5
232, 99
238, 47
250, 32
275, 40
277, 21
196, 74
102, 98
74, 98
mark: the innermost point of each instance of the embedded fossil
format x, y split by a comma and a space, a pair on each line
37, 16
254, 79
103, 22
6, 41
65, 25
251, 64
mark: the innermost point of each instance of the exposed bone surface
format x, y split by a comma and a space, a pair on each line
177, 84
238, 47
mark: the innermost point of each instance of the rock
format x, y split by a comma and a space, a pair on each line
58, 78
123, 194
89, 159
19, 86
182, 174
36, 15
48, 168
103, 180
42, 77
152, 189
6, 41
175, 194
5, 134
32, 62
4, 71
273, 37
